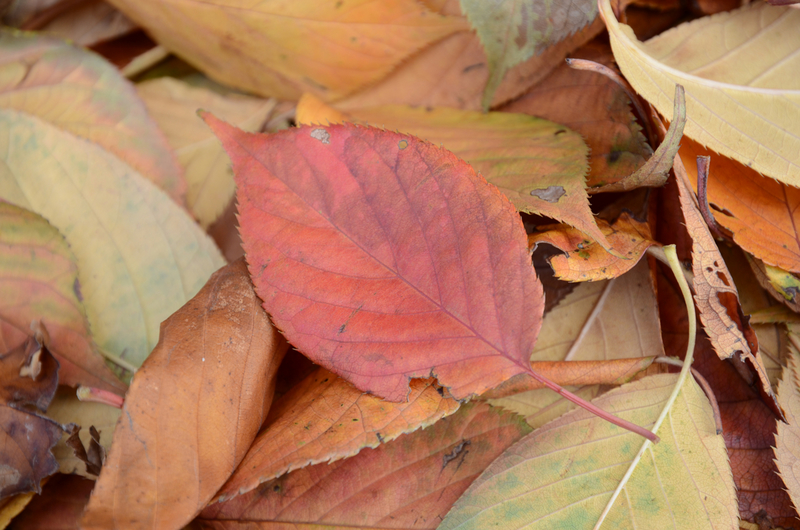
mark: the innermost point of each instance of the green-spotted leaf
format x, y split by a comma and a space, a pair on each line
140, 256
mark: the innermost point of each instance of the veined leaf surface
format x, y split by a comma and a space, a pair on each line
383, 257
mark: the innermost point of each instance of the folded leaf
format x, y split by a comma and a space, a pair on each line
285, 49
323, 419
512, 32
539, 165
744, 108
586, 260
192, 409
39, 281
28, 380
563, 474
762, 213
408, 483
173, 105
80, 93
383, 258
140, 256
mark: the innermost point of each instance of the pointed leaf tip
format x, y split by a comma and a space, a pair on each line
384, 258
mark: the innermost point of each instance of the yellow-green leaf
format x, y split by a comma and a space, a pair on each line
563, 474
740, 72
283, 49
173, 104
140, 256
79, 92
512, 32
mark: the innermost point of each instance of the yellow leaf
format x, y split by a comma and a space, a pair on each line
739, 70
563, 474
140, 256
787, 439
283, 49
173, 105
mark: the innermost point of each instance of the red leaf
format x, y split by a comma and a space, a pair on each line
383, 257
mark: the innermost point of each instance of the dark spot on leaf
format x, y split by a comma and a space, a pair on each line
380, 438
76, 288
402, 144
522, 29
613, 156
560, 131
472, 67
549, 194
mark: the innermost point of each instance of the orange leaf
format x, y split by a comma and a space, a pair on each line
283, 49
762, 213
585, 260
28, 381
385, 258
39, 281
79, 92
539, 165
715, 293
192, 409
408, 483
594, 106
324, 419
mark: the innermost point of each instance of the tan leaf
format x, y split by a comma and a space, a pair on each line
787, 439
192, 409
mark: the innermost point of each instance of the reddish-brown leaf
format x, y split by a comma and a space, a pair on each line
408, 483
586, 260
715, 293
28, 380
192, 409
39, 281
59, 507
325, 418
384, 258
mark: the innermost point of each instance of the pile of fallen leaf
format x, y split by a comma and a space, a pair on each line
397, 264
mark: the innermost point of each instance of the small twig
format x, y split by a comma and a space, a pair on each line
703, 163
591, 66
658, 253
98, 395
703, 384
145, 61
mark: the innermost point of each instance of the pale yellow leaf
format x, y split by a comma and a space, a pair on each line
173, 104
283, 49
140, 256
787, 439
563, 474
740, 71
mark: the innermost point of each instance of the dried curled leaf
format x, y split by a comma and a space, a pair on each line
376, 246
192, 409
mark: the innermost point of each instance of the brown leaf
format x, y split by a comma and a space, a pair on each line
787, 448
715, 293
25, 436
453, 72
586, 260
594, 106
192, 410
324, 419
58, 507
408, 483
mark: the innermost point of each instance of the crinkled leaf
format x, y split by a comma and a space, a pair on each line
324, 418
539, 165
39, 281
409, 482
585, 260
384, 258
28, 380
192, 409
173, 105
285, 49
512, 32
563, 474
596, 108
744, 108
140, 256
80, 93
